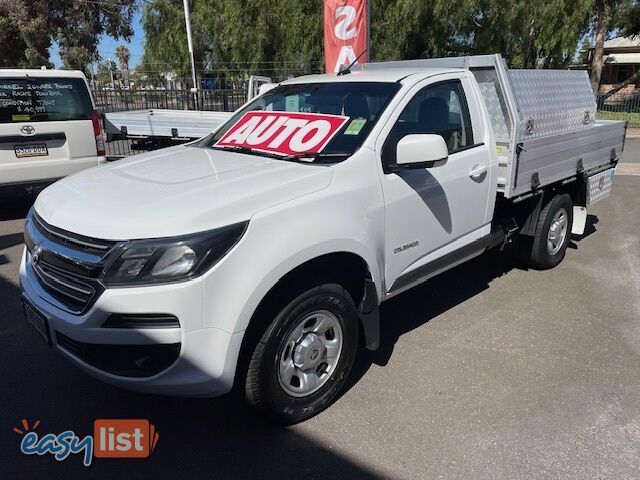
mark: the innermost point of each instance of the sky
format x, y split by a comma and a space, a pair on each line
107, 45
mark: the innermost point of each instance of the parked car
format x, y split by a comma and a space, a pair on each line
258, 256
49, 129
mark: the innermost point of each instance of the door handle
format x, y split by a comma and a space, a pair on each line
477, 171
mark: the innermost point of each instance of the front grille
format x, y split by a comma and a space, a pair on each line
71, 290
66, 265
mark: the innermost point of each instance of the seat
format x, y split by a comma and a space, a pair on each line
434, 117
356, 106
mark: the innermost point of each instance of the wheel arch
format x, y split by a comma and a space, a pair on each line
527, 212
346, 268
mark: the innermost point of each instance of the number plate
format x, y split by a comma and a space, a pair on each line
39, 150
37, 321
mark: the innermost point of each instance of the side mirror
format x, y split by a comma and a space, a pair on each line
421, 151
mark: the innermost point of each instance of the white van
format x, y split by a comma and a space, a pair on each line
49, 128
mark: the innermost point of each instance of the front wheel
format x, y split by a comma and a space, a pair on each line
305, 355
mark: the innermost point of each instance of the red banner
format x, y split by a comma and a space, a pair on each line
345, 32
283, 133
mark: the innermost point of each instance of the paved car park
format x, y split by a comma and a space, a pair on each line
487, 371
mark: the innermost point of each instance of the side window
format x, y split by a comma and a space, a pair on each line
440, 109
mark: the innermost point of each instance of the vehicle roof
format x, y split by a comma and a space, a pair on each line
36, 72
377, 75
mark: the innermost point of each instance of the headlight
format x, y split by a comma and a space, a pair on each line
164, 260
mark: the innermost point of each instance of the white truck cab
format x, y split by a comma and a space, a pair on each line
257, 257
49, 128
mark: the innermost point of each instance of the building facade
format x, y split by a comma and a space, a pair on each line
621, 61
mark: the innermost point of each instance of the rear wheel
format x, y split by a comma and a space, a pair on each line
305, 355
548, 246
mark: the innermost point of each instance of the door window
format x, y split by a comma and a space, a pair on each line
438, 109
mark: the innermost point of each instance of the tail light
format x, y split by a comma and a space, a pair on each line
97, 131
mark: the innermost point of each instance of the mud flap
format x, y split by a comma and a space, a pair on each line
579, 220
369, 314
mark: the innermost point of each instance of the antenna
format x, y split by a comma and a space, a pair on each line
345, 71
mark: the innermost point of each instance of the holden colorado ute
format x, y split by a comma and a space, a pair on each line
256, 258
49, 128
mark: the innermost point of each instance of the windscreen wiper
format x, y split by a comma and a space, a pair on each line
246, 150
239, 149
315, 155
312, 156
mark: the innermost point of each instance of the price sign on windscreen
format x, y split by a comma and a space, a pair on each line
283, 133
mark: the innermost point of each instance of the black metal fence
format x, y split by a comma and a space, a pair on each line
226, 100
122, 100
620, 106
223, 90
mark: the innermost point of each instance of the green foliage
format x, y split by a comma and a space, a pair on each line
245, 34
232, 36
166, 39
104, 71
29, 27
256, 31
402, 29
123, 55
630, 19
532, 34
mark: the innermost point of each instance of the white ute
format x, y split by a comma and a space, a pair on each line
258, 256
49, 128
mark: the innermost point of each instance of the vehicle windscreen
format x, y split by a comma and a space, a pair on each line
44, 99
361, 103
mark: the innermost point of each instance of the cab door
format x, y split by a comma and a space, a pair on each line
435, 217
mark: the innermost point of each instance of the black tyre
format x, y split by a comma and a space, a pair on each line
548, 246
305, 355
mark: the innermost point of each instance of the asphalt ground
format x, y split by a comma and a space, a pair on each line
485, 372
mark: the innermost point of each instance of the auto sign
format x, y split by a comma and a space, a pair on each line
283, 133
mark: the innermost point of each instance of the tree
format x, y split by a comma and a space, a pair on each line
248, 35
631, 19
416, 29
234, 36
585, 51
22, 40
165, 47
106, 71
530, 34
610, 15
603, 17
28, 28
123, 54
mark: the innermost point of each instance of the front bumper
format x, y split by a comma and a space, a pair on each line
204, 364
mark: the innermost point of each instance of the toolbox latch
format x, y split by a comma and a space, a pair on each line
614, 156
535, 181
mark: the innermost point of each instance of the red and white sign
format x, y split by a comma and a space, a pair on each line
345, 32
283, 133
